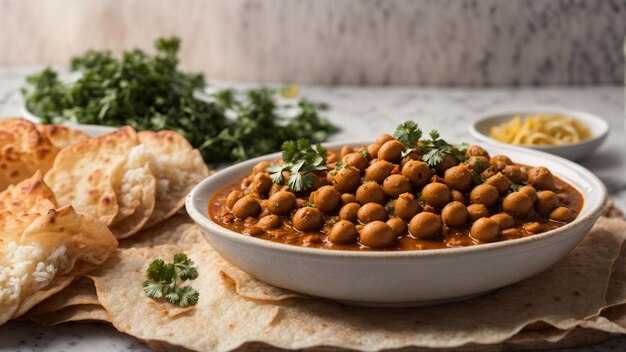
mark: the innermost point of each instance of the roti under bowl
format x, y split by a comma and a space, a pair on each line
401, 278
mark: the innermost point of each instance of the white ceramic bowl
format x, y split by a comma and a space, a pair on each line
401, 278
599, 128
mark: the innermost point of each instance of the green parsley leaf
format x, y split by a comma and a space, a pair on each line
163, 277
151, 92
365, 153
515, 188
309, 204
476, 178
301, 160
408, 133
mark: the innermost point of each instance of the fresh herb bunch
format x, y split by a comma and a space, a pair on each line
163, 278
149, 92
301, 160
432, 150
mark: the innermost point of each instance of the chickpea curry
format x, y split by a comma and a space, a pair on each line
403, 192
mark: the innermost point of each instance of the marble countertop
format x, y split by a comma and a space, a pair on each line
365, 112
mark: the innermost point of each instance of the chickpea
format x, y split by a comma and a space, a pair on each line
371, 192
269, 222
348, 198
332, 158
357, 160
458, 196
485, 230
262, 183
327, 199
561, 214
500, 182
413, 155
275, 188
384, 138
397, 225
448, 161
529, 191
395, 185
477, 211
307, 219
391, 151
454, 214
533, 227
514, 173
260, 167
484, 194
247, 181
246, 206
372, 149
281, 203
232, 198
417, 172
346, 180
476, 150
478, 163
458, 177
349, 212
504, 220
541, 178
371, 212
436, 194
377, 234
499, 162
425, 226
345, 150
379, 171
517, 204
320, 181
490, 171
511, 233
343, 232
406, 206
546, 202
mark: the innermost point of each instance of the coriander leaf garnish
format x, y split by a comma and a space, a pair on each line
515, 188
365, 153
301, 160
308, 204
162, 280
151, 92
408, 133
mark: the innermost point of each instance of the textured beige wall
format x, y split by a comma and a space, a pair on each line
439, 42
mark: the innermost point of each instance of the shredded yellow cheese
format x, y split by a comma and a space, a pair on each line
541, 129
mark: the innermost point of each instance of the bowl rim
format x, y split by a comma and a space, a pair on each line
581, 221
602, 125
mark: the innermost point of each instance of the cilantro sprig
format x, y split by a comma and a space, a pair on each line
301, 160
432, 150
409, 134
163, 281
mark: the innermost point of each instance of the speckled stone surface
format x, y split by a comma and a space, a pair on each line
365, 113
427, 42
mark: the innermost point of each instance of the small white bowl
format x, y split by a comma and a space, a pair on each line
480, 130
401, 278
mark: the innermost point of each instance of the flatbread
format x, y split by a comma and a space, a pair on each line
23, 151
82, 173
76, 313
135, 190
178, 230
80, 292
62, 136
562, 296
41, 254
177, 168
29, 196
